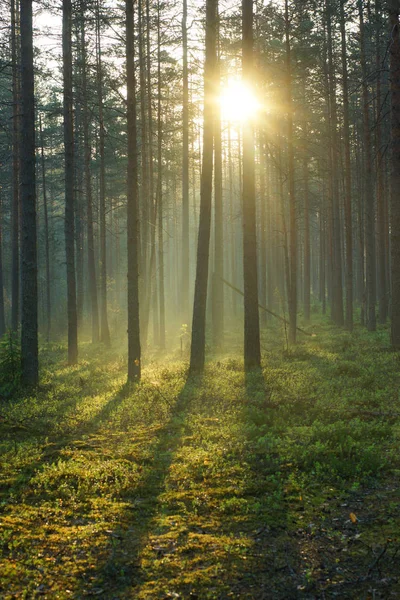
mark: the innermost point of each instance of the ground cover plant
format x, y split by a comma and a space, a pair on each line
281, 484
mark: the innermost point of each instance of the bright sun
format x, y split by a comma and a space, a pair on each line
238, 103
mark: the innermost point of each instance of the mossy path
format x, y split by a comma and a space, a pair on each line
282, 486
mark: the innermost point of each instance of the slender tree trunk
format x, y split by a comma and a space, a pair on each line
69, 184
337, 285
197, 356
292, 293
218, 286
29, 296
88, 190
263, 234
380, 188
185, 169
2, 311
161, 281
347, 174
46, 236
104, 329
144, 187
252, 351
307, 245
15, 221
369, 191
134, 354
394, 9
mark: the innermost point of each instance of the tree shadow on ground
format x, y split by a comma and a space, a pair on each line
118, 561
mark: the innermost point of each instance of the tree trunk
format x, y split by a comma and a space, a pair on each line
252, 351
134, 357
104, 329
394, 10
29, 296
185, 170
380, 188
69, 184
347, 173
218, 286
161, 280
292, 292
88, 189
197, 356
369, 191
15, 220
46, 237
337, 286
2, 311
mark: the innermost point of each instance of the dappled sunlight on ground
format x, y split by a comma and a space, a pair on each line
283, 485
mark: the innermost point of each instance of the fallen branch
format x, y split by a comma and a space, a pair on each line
270, 312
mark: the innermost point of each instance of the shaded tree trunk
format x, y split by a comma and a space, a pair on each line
69, 184
292, 292
134, 352
394, 10
2, 311
46, 236
369, 191
88, 189
347, 173
104, 329
252, 351
29, 288
15, 220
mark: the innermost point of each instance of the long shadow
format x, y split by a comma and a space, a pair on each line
113, 568
53, 447
273, 570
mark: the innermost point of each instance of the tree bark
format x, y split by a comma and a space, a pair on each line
197, 355
292, 292
15, 218
104, 329
69, 184
347, 174
369, 191
185, 169
29, 288
252, 351
46, 236
394, 9
134, 352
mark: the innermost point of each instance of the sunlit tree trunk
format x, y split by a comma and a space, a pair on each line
217, 287
104, 330
161, 281
185, 168
197, 355
134, 354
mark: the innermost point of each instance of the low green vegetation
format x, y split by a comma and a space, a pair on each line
284, 485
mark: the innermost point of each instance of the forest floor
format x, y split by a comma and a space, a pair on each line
281, 486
